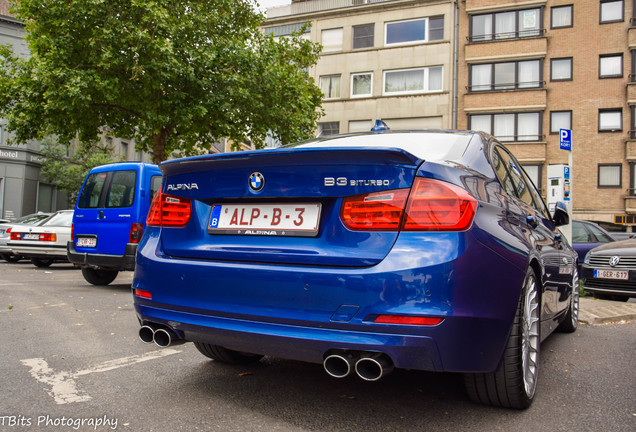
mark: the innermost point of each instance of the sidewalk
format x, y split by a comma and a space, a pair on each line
593, 311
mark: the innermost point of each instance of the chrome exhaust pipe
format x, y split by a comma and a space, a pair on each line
164, 337
339, 365
146, 334
374, 366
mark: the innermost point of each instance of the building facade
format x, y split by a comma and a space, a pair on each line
518, 69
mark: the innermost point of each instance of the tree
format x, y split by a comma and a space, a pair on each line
69, 171
174, 75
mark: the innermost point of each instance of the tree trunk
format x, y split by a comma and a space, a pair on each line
159, 140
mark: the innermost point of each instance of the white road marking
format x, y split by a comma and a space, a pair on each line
62, 386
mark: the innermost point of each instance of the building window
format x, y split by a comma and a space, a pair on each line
632, 124
611, 11
560, 120
506, 76
561, 69
330, 86
506, 25
328, 128
610, 120
124, 150
534, 173
609, 175
363, 36
362, 84
610, 66
523, 126
414, 31
561, 16
409, 81
288, 29
331, 40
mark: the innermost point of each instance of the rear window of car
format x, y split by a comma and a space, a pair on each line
92, 190
64, 219
435, 146
120, 193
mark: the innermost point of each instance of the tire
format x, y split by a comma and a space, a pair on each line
514, 383
42, 263
225, 355
571, 321
12, 258
99, 277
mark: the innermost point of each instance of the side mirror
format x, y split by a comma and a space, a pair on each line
561, 216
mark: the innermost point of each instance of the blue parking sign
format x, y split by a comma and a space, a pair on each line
565, 143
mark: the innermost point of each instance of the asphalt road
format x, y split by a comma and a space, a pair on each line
70, 354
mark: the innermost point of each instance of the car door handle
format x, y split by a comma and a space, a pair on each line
101, 214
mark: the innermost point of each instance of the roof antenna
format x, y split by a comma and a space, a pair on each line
379, 126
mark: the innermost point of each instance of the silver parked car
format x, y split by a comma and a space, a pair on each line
609, 271
5, 233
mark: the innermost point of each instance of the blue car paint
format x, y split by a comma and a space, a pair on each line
111, 225
278, 296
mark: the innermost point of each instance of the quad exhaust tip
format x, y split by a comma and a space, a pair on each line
369, 366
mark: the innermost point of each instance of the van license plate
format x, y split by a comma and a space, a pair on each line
265, 219
86, 242
612, 274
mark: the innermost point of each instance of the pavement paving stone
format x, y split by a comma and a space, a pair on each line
595, 311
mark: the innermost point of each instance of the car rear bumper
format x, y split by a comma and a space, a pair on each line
49, 252
303, 312
103, 261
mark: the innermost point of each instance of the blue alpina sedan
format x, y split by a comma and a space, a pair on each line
425, 250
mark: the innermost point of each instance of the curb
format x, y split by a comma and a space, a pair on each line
594, 311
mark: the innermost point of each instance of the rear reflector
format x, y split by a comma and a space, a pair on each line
169, 211
430, 205
142, 293
408, 320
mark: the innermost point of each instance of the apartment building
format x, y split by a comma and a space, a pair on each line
524, 70
381, 59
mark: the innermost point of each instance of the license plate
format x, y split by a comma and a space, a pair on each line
611, 274
86, 242
31, 237
265, 219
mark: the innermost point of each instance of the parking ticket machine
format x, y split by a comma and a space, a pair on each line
558, 185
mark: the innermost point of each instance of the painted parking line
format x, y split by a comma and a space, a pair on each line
62, 385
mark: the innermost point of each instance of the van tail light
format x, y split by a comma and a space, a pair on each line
73, 232
136, 231
430, 205
169, 211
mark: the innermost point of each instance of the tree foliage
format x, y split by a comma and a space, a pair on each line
172, 74
68, 168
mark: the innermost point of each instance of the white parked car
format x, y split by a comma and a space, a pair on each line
5, 233
45, 243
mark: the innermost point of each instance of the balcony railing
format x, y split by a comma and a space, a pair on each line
317, 6
497, 87
496, 37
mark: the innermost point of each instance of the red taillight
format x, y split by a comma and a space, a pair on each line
431, 205
143, 293
408, 320
16, 236
136, 230
438, 206
48, 237
169, 211
376, 211
73, 232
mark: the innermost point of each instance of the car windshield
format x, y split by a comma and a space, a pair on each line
432, 146
64, 219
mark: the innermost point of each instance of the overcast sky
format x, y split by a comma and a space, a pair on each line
264, 4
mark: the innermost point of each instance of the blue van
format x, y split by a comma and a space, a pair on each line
110, 216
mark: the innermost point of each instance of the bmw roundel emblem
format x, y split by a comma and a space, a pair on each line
257, 181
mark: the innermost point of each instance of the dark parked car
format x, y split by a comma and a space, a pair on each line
427, 250
586, 236
609, 271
